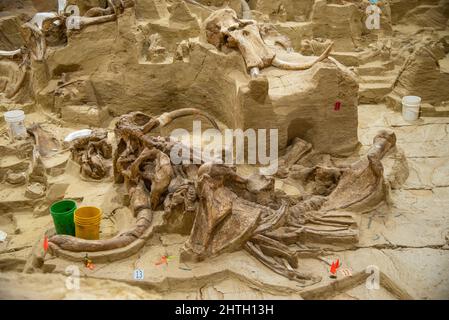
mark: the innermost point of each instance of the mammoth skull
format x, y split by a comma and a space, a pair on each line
225, 30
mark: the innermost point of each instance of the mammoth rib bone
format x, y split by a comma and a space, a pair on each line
284, 269
273, 221
18, 85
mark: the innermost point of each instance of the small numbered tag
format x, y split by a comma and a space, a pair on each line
138, 274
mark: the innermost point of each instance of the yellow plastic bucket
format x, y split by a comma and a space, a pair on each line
87, 223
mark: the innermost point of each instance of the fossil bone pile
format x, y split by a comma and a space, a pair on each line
227, 212
234, 64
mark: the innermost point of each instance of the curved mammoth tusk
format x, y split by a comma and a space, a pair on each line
73, 244
246, 10
199, 5
168, 117
278, 63
139, 205
13, 53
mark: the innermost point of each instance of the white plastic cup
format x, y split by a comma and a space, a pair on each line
411, 106
15, 120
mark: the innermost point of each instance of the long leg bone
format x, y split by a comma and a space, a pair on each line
89, 21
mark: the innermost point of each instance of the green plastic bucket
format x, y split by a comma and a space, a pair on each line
62, 213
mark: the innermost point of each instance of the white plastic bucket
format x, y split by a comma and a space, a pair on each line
411, 106
15, 120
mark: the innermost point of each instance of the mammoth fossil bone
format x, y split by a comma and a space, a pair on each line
168, 117
140, 206
362, 184
91, 153
35, 39
198, 4
89, 21
13, 53
224, 29
286, 65
224, 211
139, 152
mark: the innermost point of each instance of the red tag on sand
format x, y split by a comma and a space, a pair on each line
162, 261
337, 106
45, 243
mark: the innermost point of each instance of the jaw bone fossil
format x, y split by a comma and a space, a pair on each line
224, 212
225, 30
